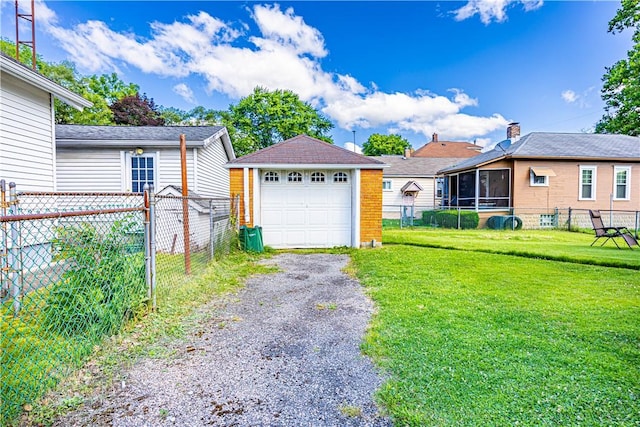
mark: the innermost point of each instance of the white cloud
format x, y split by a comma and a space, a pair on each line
580, 99
569, 96
352, 147
492, 10
185, 93
284, 55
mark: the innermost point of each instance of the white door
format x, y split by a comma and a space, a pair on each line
305, 209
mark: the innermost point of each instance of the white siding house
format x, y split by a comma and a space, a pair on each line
401, 172
27, 133
123, 158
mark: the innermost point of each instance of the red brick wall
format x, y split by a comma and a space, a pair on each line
370, 206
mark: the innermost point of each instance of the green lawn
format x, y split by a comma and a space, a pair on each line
471, 337
545, 244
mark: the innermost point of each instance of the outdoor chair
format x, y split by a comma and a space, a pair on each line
610, 232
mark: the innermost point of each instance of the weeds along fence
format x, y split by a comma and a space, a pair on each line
75, 267
507, 218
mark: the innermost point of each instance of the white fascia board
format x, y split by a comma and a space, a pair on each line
302, 166
223, 134
27, 75
122, 143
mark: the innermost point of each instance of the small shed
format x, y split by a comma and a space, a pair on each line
307, 193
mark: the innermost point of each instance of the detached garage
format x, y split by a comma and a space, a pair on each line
306, 193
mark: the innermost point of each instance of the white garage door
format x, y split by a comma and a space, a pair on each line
305, 209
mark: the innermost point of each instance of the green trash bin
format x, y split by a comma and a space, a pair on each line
251, 239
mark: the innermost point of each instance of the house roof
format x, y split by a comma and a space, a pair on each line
303, 151
411, 187
26, 74
447, 149
559, 146
417, 167
82, 136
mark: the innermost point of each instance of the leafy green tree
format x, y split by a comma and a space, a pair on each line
102, 91
621, 88
266, 117
378, 144
136, 110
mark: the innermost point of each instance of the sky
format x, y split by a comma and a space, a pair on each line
461, 69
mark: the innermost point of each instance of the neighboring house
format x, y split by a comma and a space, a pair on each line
27, 141
399, 196
307, 193
544, 171
447, 149
124, 158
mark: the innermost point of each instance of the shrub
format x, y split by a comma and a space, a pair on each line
449, 218
105, 283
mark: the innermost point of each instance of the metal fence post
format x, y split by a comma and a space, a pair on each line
13, 252
569, 220
147, 244
152, 244
4, 265
212, 231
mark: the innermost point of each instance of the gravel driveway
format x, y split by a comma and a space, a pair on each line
284, 353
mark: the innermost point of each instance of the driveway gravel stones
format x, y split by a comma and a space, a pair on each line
285, 352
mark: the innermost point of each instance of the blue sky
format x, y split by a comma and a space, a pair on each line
461, 69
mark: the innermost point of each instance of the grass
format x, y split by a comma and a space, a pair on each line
470, 336
542, 244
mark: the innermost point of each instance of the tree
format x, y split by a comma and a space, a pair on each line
621, 88
264, 118
136, 110
379, 144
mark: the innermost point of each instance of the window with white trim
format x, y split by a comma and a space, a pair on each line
587, 183
621, 183
317, 177
142, 169
271, 177
294, 177
340, 177
386, 184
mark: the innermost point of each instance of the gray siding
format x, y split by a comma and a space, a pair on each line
89, 170
169, 171
213, 178
27, 150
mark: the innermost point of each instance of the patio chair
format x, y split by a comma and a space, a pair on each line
610, 232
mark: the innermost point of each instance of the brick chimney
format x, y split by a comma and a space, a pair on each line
408, 152
434, 137
513, 131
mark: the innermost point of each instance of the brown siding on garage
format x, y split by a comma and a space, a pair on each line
236, 184
370, 206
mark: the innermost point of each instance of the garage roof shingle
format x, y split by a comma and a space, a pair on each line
305, 150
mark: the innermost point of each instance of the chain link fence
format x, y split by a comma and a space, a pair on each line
75, 267
510, 218
206, 227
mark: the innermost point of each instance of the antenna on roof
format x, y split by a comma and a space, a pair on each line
31, 18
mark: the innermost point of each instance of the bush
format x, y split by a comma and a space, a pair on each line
104, 285
449, 219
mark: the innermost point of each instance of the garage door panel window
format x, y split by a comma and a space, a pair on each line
294, 177
317, 177
271, 177
340, 177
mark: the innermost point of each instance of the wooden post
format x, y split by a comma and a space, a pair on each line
185, 204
